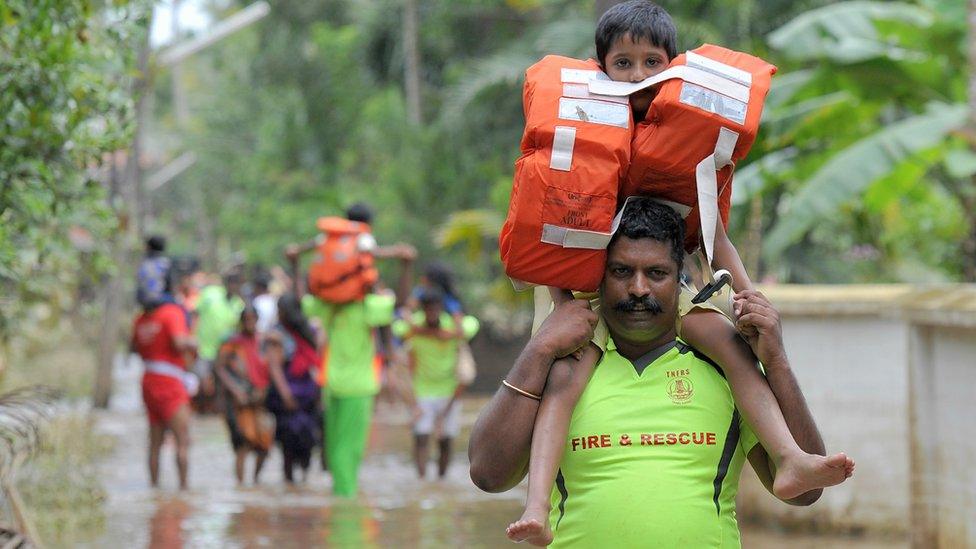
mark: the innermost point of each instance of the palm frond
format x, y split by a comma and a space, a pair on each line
847, 32
848, 173
22, 414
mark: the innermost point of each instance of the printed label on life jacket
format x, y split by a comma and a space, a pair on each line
575, 210
596, 112
707, 100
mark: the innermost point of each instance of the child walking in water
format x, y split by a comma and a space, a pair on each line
636, 40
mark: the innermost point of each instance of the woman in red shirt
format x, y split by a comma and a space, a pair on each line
162, 338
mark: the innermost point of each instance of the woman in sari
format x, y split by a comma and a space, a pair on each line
294, 397
244, 379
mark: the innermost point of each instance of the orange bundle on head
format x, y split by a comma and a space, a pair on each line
341, 271
575, 150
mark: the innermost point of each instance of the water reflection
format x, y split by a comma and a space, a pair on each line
395, 509
166, 524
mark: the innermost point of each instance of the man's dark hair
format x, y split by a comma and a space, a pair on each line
361, 212
641, 20
646, 218
156, 244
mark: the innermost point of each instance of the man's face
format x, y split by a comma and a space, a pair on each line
639, 293
630, 61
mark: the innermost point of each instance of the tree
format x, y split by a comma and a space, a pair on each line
856, 133
64, 71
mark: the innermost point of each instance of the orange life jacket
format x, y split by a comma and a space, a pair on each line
341, 273
695, 127
575, 150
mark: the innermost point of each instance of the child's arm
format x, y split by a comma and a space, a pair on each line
800, 470
727, 257
499, 446
220, 369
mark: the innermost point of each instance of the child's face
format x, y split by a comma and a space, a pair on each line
630, 61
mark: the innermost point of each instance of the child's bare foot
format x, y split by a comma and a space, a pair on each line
533, 527
799, 474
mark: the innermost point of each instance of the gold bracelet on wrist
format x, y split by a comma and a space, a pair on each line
521, 391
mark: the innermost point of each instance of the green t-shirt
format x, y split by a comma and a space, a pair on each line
651, 460
217, 318
351, 351
436, 359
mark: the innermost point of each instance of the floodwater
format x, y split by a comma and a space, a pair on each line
395, 508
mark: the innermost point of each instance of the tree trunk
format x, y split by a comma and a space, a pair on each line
411, 65
131, 221
112, 298
968, 198
601, 6
753, 241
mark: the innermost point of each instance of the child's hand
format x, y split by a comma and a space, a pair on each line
759, 324
568, 328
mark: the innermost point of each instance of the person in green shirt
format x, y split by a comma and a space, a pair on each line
433, 339
353, 368
654, 447
218, 311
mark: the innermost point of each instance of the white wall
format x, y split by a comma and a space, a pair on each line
944, 436
890, 375
853, 372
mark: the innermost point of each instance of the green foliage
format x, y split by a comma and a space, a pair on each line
64, 72
303, 113
856, 131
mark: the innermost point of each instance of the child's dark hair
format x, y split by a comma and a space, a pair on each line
361, 212
646, 218
431, 296
641, 20
440, 275
156, 244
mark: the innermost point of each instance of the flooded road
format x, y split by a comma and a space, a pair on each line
395, 508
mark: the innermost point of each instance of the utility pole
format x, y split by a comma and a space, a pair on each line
967, 196
130, 186
411, 65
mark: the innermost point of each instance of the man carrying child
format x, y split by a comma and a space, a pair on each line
655, 444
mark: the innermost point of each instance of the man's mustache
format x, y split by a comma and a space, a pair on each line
646, 303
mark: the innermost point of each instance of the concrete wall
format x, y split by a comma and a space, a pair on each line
853, 372
890, 375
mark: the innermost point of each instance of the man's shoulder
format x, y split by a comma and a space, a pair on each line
691, 353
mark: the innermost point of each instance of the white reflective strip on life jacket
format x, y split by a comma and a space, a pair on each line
582, 91
562, 148
575, 238
579, 238
717, 67
686, 73
581, 76
706, 181
521, 285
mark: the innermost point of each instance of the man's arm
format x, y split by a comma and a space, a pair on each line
759, 324
293, 253
502, 435
407, 255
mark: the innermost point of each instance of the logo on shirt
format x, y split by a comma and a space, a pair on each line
681, 390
